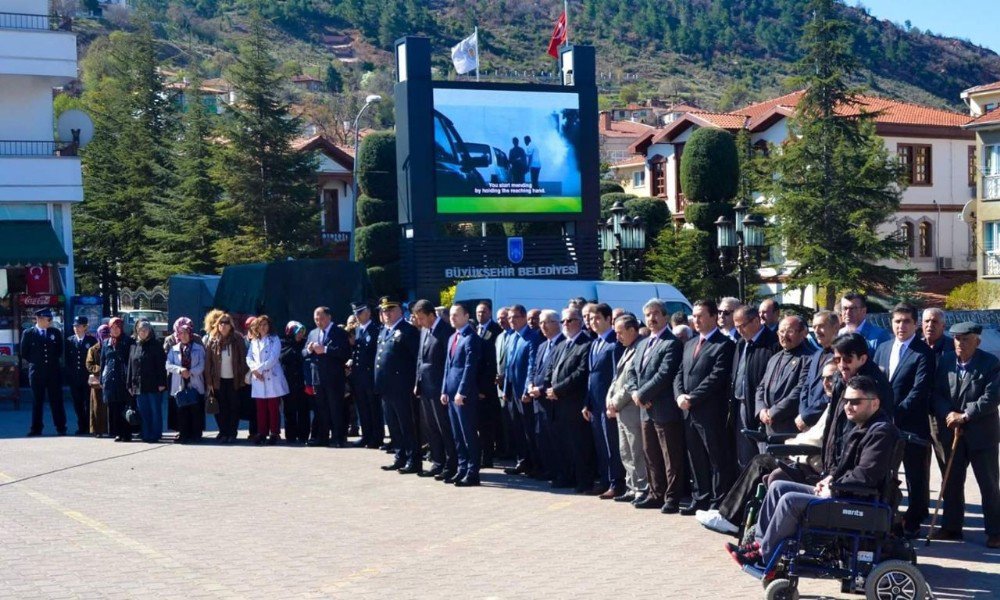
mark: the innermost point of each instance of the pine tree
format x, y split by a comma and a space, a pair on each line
186, 236
267, 211
836, 183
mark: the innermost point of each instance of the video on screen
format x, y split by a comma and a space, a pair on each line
501, 151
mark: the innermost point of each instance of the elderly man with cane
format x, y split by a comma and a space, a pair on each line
966, 397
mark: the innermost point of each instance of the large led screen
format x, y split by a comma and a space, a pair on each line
502, 151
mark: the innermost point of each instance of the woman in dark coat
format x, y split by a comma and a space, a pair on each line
114, 389
147, 379
296, 405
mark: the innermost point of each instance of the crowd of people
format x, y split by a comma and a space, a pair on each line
651, 410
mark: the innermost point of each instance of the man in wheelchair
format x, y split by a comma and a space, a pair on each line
865, 463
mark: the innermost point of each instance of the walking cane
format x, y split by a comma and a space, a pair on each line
944, 482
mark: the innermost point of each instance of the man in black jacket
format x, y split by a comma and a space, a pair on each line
41, 347
866, 461
362, 377
326, 352
755, 347
434, 335
77, 374
488, 413
701, 389
778, 396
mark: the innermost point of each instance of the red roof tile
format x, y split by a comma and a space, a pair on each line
986, 119
986, 87
629, 129
632, 161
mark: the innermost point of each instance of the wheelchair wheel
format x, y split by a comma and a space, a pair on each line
895, 580
781, 589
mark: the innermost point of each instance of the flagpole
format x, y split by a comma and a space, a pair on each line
566, 12
475, 33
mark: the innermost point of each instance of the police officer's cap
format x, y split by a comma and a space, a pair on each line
80, 320
358, 307
966, 327
44, 313
387, 302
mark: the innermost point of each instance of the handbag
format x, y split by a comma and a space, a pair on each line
211, 404
186, 397
94, 381
132, 417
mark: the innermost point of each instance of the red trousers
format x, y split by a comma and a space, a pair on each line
268, 422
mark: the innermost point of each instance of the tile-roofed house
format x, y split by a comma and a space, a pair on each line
983, 120
334, 189
615, 136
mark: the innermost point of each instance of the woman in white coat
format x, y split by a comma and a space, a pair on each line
267, 380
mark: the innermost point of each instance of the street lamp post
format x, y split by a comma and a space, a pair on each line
741, 244
624, 238
372, 99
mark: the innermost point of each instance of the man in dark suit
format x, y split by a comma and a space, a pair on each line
522, 344
41, 347
77, 374
908, 362
932, 325
778, 395
458, 391
488, 419
813, 398
362, 377
395, 374
966, 398
854, 314
326, 352
756, 346
701, 389
768, 313
655, 366
434, 336
566, 384
554, 464
601, 366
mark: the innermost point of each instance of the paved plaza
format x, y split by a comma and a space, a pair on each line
86, 518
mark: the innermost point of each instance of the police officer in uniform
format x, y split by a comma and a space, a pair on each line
395, 375
77, 346
41, 348
362, 377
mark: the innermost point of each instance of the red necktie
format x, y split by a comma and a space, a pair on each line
454, 344
697, 348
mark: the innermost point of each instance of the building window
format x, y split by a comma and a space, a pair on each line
639, 179
926, 247
906, 234
991, 172
916, 161
331, 211
760, 148
678, 156
972, 166
659, 174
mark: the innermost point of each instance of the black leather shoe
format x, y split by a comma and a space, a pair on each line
410, 468
432, 473
649, 502
33, 434
670, 507
63, 432
444, 475
626, 497
358, 444
993, 541
316, 443
517, 469
641, 498
452, 478
691, 509
948, 535
394, 466
468, 481
562, 484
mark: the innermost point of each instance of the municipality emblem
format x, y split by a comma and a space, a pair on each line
515, 249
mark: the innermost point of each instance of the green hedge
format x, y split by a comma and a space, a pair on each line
386, 280
704, 214
376, 210
377, 165
610, 187
377, 244
710, 166
653, 212
608, 200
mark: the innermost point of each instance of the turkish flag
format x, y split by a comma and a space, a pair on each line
38, 280
558, 36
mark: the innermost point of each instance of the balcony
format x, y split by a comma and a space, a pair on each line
22, 148
991, 187
50, 22
991, 264
37, 50
39, 171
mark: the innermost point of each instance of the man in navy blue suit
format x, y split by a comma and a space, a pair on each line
554, 465
434, 335
522, 343
854, 314
813, 399
601, 366
460, 394
395, 373
326, 352
908, 362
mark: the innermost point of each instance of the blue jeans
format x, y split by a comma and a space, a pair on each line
151, 410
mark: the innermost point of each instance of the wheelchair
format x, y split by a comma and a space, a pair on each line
854, 536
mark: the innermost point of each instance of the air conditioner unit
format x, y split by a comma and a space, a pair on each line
944, 263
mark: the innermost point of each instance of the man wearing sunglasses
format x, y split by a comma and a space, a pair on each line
728, 306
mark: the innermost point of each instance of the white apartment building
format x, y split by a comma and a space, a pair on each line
40, 177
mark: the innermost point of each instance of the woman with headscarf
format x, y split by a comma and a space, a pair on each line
186, 365
295, 404
98, 410
147, 379
267, 379
169, 342
114, 389
225, 374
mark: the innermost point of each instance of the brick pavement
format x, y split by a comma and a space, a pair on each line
228, 522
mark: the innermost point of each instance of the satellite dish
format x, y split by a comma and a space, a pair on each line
968, 213
75, 126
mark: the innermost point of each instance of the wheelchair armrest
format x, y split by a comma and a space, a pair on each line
912, 438
755, 435
786, 450
840, 490
780, 438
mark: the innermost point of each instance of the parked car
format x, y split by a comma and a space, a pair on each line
456, 173
156, 318
491, 162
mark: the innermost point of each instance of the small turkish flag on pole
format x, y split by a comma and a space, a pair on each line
38, 280
558, 36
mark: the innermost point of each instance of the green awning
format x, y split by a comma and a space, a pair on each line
25, 243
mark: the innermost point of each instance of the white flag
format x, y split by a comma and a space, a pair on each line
465, 54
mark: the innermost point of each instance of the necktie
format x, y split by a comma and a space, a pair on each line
482, 330
697, 348
742, 377
648, 351
454, 344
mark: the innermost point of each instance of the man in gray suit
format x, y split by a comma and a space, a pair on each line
627, 413
655, 365
778, 394
966, 397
